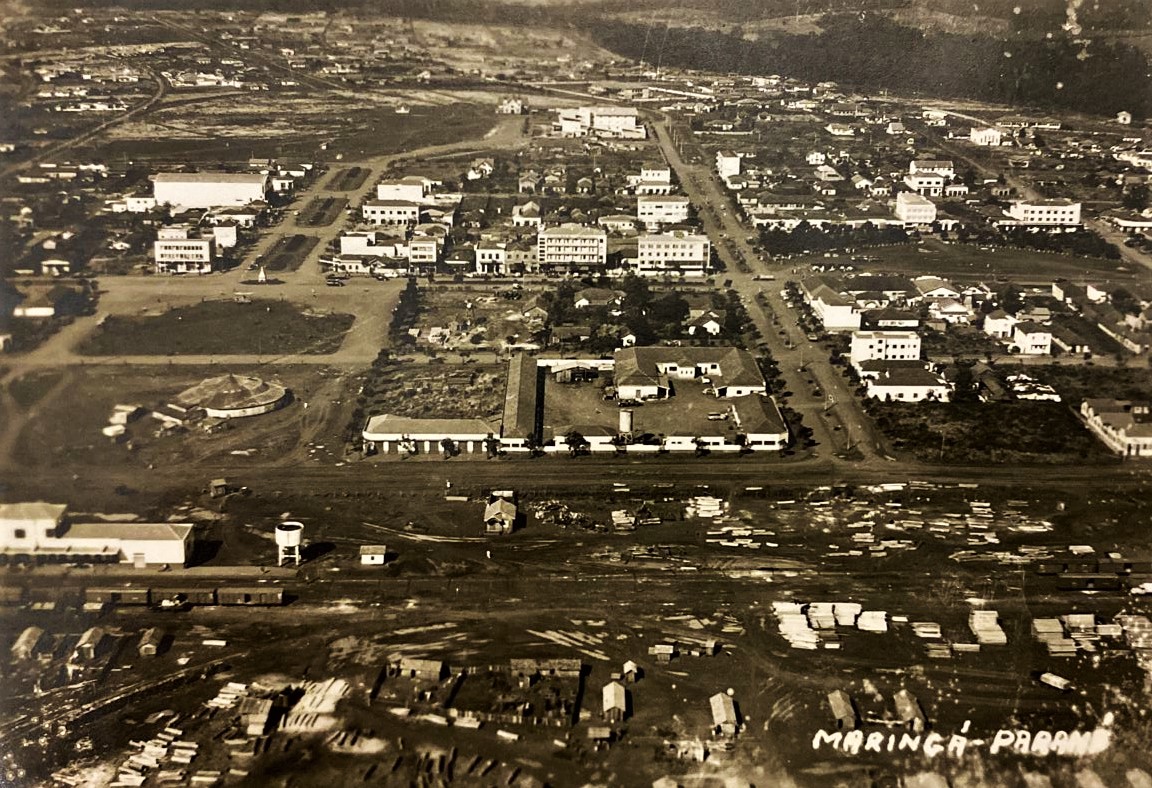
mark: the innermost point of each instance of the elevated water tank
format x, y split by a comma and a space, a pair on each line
626, 421
289, 534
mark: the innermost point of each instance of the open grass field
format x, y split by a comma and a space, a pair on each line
320, 211
965, 262
221, 328
289, 252
347, 179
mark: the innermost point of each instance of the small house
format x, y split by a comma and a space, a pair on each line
500, 513
908, 711
90, 645
373, 554
615, 702
416, 668
725, 720
28, 644
843, 709
150, 642
631, 672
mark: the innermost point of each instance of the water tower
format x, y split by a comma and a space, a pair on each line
288, 536
626, 423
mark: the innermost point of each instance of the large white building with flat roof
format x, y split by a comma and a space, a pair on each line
35, 529
1045, 213
914, 209
884, 346
572, 245
657, 210
177, 250
676, 252
184, 190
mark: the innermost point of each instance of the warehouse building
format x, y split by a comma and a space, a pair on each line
44, 532
184, 190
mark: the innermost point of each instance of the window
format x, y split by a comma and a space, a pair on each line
20, 533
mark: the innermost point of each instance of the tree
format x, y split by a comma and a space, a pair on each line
492, 446
576, 443
1136, 197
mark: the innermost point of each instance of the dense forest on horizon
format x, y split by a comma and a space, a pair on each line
864, 49
874, 53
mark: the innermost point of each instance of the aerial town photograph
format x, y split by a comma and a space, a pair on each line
525, 393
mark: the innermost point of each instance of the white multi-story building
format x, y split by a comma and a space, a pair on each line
1045, 213
914, 209
675, 252
391, 212
656, 173
369, 244
572, 245
184, 190
655, 211
139, 203
727, 164
884, 346
926, 184
1032, 339
178, 251
492, 258
989, 136
606, 121
423, 251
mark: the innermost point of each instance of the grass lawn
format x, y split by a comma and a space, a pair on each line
348, 179
968, 262
320, 211
288, 253
29, 389
982, 433
220, 328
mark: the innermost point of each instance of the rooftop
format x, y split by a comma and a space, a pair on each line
387, 424
138, 532
34, 510
209, 177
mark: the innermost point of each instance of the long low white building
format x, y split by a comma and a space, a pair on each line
44, 531
426, 435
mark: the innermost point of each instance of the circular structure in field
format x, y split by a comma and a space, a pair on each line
233, 396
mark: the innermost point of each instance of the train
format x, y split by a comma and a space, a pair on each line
179, 597
1084, 573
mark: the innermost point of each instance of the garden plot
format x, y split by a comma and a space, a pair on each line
436, 391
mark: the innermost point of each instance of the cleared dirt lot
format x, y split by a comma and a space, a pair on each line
64, 430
